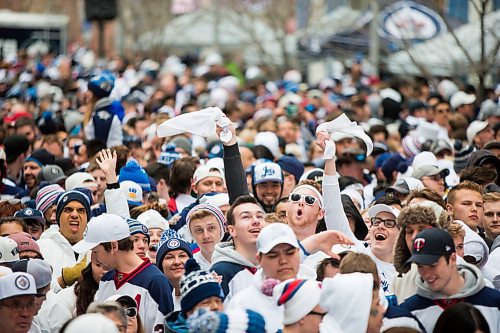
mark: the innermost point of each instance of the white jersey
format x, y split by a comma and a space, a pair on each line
148, 286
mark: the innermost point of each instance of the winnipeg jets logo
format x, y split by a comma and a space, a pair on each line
268, 171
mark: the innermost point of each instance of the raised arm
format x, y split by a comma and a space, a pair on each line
233, 168
335, 217
114, 197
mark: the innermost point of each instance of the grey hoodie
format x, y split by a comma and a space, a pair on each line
474, 282
236, 271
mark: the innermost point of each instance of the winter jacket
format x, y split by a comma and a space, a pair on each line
427, 305
176, 323
104, 124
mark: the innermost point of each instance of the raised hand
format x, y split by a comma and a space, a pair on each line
107, 162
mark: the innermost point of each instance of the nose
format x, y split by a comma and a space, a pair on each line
213, 305
213, 187
206, 234
282, 259
256, 220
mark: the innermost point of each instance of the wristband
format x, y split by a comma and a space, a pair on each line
113, 186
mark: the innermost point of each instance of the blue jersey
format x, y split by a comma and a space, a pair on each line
150, 289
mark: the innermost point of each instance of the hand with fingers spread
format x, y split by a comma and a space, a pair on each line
324, 241
107, 162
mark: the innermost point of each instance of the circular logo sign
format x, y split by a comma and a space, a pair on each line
173, 243
28, 212
22, 282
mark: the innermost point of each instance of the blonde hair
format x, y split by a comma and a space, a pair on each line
491, 197
455, 230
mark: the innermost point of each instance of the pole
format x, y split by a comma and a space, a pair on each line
100, 24
374, 48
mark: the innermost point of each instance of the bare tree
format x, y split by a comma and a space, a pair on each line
480, 66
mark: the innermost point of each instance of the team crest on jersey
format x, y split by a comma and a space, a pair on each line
119, 277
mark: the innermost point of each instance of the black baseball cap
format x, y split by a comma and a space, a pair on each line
430, 245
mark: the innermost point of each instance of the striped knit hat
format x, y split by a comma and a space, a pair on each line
230, 321
196, 285
170, 241
299, 297
47, 196
69, 196
219, 216
137, 227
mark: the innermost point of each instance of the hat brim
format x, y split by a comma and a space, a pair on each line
83, 246
398, 189
278, 180
423, 259
277, 241
38, 219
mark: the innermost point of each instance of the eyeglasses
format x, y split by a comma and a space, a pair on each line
436, 178
390, 223
315, 313
18, 305
308, 199
131, 312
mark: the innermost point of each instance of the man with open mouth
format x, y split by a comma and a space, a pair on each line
72, 216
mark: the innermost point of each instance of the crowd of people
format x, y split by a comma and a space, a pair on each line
193, 196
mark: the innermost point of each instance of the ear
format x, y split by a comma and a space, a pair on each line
231, 230
194, 188
321, 214
114, 246
449, 209
258, 256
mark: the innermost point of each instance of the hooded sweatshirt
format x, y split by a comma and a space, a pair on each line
427, 305
347, 298
236, 271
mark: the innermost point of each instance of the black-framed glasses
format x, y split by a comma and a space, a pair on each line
389, 223
315, 313
308, 199
131, 312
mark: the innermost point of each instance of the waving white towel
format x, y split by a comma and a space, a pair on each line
201, 122
343, 125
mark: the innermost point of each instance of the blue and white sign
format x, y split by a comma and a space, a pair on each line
410, 21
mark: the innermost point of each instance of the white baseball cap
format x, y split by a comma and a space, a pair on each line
461, 98
379, 208
274, 234
17, 284
102, 229
79, 179
9, 252
153, 220
267, 171
474, 128
133, 191
205, 171
91, 322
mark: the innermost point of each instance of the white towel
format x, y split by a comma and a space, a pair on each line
201, 122
343, 125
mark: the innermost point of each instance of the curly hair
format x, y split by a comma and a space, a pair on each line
412, 215
85, 289
312, 183
426, 194
479, 175
160, 208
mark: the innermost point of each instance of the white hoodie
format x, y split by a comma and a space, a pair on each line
347, 298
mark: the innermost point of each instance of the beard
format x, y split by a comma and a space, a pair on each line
302, 224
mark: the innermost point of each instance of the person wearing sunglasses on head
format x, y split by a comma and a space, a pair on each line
134, 322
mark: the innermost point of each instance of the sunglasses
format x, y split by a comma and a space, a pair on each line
131, 312
308, 199
390, 223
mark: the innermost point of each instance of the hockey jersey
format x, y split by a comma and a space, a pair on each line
148, 286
